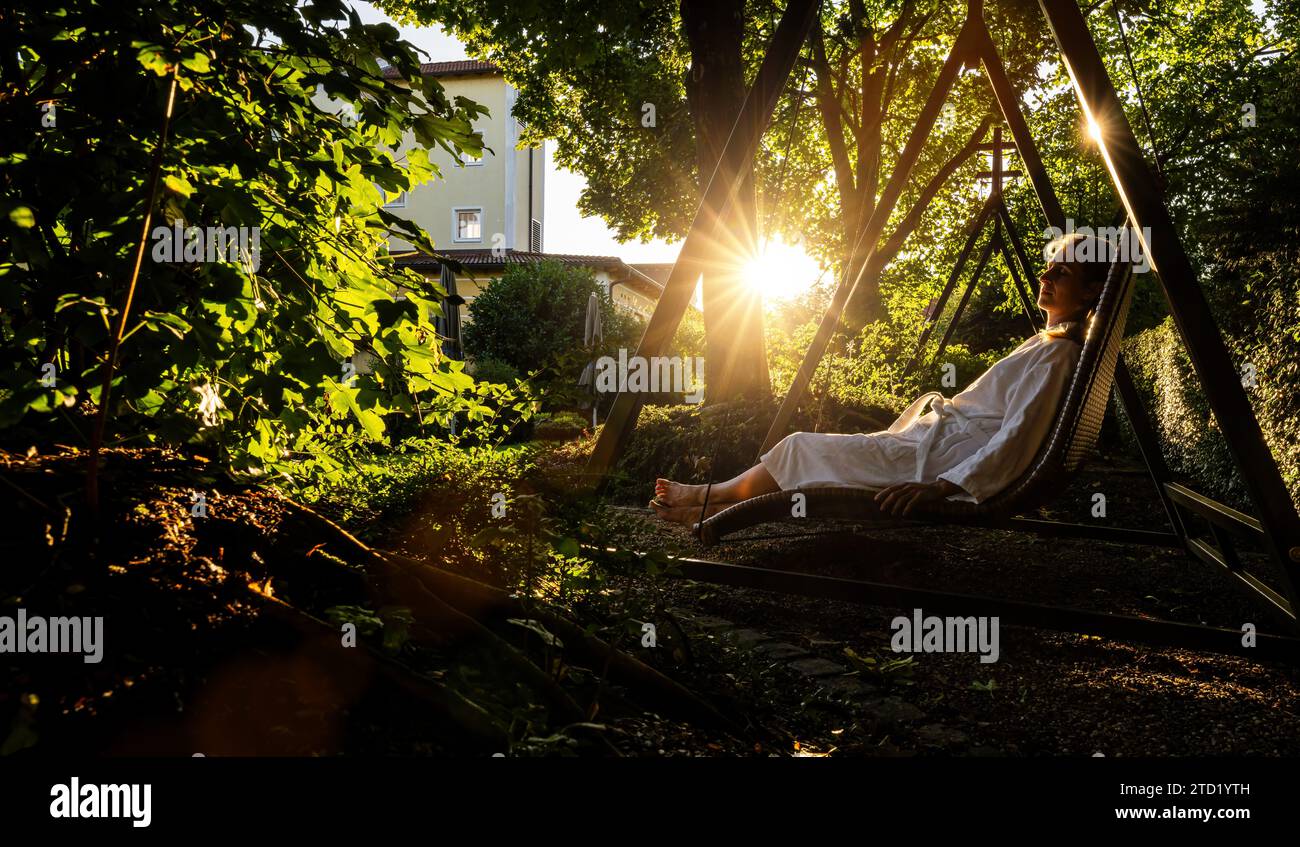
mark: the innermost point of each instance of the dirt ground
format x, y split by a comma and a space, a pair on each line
1051, 693
205, 657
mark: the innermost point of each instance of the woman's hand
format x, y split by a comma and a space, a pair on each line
899, 500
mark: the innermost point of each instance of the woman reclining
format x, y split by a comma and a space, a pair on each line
968, 447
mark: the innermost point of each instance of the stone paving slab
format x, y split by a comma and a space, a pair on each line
778, 650
815, 667
830, 677
746, 637
847, 687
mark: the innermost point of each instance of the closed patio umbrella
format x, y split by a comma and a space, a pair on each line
593, 333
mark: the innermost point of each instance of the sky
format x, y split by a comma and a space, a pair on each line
785, 270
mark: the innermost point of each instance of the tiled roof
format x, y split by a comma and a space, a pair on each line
461, 67
471, 259
634, 276
658, 271
638, 278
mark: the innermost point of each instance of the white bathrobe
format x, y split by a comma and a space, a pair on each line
982, 439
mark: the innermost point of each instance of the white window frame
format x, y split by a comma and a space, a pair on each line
399, 203
468, 162
455, 224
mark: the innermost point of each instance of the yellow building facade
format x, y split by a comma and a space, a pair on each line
489, 213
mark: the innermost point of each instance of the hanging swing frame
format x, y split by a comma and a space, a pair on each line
1277, 527
994, 209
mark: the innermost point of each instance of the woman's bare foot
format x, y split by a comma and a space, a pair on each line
688, 515
672, 493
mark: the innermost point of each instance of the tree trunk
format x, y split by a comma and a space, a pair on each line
735, 357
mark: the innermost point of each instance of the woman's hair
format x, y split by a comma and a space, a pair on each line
1092, 257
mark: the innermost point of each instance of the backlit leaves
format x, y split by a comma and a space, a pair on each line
251, 147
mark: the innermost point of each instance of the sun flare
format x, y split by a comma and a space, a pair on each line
781, 271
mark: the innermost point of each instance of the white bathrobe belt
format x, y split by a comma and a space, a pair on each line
942, 407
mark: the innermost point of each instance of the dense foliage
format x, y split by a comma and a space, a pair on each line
281, 122
1249, 246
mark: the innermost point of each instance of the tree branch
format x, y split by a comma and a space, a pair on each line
909, 224
829, 107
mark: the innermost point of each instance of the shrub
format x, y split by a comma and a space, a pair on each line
495, 371
381, 491
474, 509
679, 442
1190, 437
562, 426
532, 319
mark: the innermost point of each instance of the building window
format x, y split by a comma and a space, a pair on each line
535, 236
398, 203
470, 161
467, 224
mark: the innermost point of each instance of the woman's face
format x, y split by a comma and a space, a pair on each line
1062, 291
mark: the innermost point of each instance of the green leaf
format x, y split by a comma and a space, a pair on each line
392, 311
372, 423
178, 185
22, 216
151, 56
363, 619
178, 325
197, 63
344, 398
